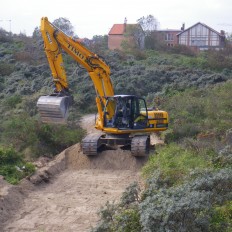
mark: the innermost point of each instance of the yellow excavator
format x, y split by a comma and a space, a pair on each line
124, 120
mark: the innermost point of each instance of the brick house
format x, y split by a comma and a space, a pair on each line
201, 37
169, 36
121, 32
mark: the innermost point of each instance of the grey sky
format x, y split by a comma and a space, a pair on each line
96, 17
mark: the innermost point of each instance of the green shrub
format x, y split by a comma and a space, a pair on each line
25, 132
20, 131
186, 207
173, 163
199, 111
12, 101
131, 194
221, 219
12, 174
28, 168
6, 69
9, 156
12, 165
182, 49
219, 60
55, 138
128, 221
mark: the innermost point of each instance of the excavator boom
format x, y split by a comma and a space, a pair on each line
54, 108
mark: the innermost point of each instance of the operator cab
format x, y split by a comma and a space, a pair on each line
126, 112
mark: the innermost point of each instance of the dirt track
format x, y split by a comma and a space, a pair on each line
70, 199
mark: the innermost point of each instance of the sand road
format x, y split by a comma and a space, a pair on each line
70, 199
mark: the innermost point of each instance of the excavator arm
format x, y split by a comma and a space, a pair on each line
53, 108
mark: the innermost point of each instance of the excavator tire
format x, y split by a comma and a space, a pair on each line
91, 143
140, 145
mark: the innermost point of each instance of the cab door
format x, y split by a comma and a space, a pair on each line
140, 115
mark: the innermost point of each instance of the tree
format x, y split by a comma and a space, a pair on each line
4, 35
36, 33
99, 44
134, 37
65, 25
138, 35
149, 23
154, 41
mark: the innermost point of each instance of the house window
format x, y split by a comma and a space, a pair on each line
169, 37
198, 42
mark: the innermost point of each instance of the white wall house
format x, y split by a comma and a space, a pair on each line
201, 37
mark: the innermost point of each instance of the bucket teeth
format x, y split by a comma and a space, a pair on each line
53, 109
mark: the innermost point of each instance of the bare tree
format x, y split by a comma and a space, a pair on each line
65, 25
136, 36
148, 23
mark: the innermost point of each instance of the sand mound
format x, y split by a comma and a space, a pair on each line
11, 198
106, 160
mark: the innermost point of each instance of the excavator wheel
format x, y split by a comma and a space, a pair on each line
53, 109
91, 144
140, 145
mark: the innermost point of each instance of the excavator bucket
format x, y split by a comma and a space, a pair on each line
53, 109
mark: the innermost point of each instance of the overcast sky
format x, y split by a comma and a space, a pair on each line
96, 17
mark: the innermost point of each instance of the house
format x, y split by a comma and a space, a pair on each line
125, 32
169, 36
201, 37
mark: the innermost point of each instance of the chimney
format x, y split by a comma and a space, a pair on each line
222, 33
183, 27
125, 22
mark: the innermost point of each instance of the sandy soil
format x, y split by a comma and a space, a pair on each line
70, 192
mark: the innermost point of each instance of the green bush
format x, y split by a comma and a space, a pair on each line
173, 163
55, 138
12, 165
185, 207
182, 49
199, 111
6, 69
20, 131
128, 221
221, 219
12, 101
27, 133
9, 156
219, 60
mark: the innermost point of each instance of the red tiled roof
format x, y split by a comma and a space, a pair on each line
117, 29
